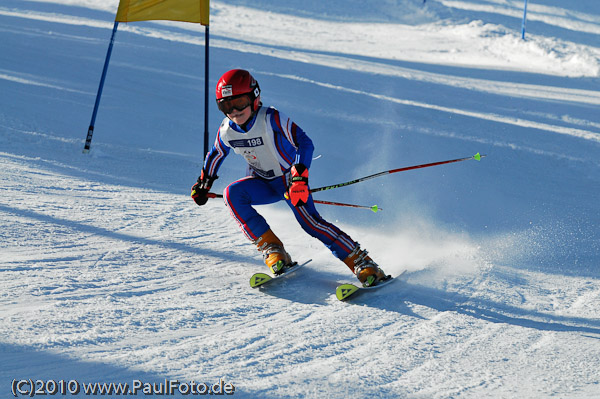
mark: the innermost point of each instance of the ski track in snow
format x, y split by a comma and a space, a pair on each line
110, 273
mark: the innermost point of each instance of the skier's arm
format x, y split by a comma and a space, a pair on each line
215, 156
298, 192
305, 147
295, 135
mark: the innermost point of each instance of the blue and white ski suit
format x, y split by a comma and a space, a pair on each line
271, 143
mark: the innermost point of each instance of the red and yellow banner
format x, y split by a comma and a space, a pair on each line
196, 11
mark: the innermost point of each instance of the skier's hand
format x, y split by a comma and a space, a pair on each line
201, 188
298, 191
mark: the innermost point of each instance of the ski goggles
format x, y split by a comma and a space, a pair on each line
240, 102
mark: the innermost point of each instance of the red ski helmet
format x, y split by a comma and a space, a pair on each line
236, 83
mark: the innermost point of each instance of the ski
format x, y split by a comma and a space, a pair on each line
260, 279
346, 291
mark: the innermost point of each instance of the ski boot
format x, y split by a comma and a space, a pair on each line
367, 271
275, 256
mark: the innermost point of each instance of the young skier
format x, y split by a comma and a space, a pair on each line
279, 155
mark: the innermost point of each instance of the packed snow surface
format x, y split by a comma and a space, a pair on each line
111, 274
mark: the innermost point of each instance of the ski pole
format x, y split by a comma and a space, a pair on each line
477, 157
373, 208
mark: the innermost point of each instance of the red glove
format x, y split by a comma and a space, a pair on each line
298, 191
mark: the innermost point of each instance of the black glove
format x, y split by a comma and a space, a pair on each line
201, 188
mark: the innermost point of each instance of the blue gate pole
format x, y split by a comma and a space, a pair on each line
205, 94
88, 140
524, 21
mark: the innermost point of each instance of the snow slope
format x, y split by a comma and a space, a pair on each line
110, 273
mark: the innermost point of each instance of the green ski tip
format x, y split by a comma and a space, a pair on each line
259, 279
477, 157
345, 290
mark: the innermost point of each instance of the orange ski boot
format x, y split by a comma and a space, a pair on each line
274, 254
367, 271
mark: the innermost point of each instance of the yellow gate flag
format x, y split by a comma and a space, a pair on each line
172, 10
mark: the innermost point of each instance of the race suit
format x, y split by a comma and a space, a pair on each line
271, 143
